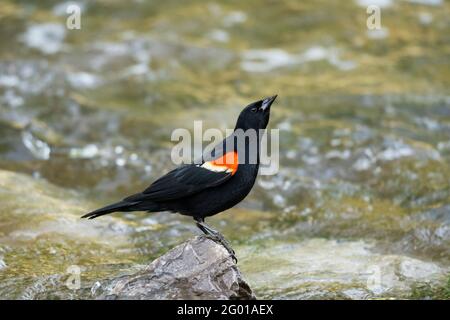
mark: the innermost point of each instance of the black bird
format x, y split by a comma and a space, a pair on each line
222, 179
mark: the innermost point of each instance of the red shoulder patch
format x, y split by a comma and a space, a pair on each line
229, 162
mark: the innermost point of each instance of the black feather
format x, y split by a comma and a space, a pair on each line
181, 182
118, 206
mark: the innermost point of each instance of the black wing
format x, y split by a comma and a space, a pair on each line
180, 182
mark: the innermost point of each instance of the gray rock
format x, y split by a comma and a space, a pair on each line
196, 269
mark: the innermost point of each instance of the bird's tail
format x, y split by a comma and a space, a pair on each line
122, 206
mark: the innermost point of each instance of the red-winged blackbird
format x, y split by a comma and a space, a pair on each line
219, 181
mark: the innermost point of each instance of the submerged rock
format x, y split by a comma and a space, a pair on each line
196, 269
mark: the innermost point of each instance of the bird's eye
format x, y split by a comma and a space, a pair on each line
254, 109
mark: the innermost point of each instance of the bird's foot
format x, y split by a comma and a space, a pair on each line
216, 236
221, 239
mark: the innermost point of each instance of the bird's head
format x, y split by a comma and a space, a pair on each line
255, 115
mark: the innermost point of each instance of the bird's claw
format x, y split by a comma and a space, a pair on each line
220, 239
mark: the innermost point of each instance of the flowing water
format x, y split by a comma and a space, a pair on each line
360, 207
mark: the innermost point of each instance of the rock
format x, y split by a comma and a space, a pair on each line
196, 269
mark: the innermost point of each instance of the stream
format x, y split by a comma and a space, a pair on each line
360, 206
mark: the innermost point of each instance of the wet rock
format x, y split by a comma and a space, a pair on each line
196, 269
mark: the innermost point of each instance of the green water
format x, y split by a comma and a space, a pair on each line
364, 117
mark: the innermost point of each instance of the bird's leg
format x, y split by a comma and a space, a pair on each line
216, 236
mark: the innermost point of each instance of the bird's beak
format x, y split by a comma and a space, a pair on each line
267, 102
